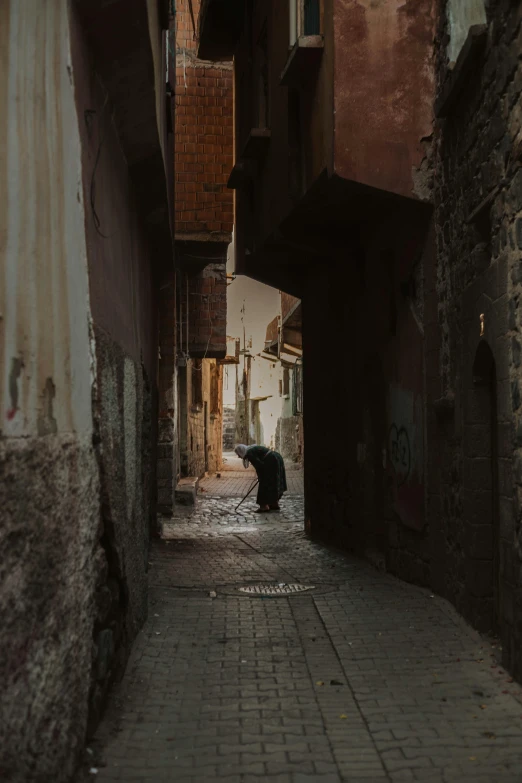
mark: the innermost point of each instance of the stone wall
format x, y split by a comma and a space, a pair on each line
124, 300
289, 438
124, 417
474, 342
229, 428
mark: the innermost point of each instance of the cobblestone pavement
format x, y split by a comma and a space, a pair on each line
237, 483
232, 462
364, 679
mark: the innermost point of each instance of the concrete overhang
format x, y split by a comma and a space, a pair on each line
325, 223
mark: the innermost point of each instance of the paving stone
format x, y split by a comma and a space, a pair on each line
364, 679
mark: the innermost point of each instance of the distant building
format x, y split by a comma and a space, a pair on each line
284, 341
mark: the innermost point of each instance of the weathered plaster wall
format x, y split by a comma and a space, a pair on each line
124, 303
124, 419
383, 91
121, 266
49, 489
42, 224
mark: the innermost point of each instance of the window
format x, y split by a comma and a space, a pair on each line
305, 18
286, 382
462, 16
197, 382
311, 17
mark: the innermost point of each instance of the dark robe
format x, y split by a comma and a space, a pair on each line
270, 469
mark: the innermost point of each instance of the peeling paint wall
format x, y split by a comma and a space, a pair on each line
384, 82
44, 271
49, 488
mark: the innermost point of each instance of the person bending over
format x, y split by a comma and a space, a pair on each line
270, 468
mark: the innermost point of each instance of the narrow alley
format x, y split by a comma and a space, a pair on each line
261, 391
360, 677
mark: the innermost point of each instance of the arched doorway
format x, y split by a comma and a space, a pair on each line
481, 485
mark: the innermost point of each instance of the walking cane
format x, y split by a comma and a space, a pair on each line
248, 493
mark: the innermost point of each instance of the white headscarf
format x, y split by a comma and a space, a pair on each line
241, 451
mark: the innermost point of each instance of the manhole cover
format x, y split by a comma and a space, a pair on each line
280, 589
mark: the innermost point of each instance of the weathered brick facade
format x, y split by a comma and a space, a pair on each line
203, 138
207, 312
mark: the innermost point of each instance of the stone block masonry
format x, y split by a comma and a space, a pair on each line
207, 312
49, 501
473, 336
229, 429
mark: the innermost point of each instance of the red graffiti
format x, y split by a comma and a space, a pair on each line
11, 413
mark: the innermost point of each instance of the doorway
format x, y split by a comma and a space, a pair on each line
482, 492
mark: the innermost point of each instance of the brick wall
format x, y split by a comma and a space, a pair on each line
207, 303
203, 138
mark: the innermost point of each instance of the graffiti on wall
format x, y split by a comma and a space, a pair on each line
405, 449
